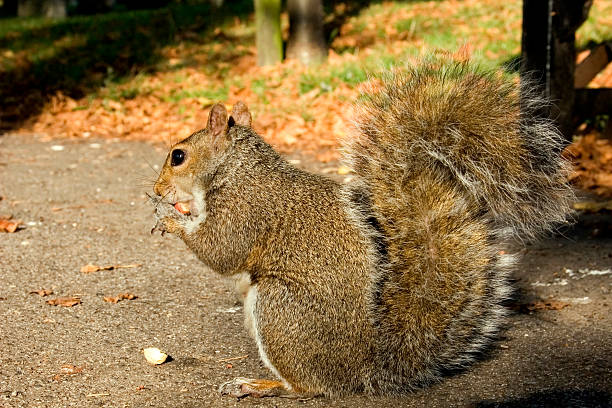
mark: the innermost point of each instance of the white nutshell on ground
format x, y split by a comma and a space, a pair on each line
154, 356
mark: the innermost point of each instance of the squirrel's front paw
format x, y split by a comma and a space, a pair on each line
166, 224
168, 218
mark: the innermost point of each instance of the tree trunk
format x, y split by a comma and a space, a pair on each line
268, 32
306, 40
42, 8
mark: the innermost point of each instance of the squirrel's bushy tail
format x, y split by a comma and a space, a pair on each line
448, 165
467, 126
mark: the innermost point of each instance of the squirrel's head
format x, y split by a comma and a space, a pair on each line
194, 160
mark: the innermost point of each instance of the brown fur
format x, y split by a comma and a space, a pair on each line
380, 285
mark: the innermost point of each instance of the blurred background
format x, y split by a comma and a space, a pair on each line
150, 69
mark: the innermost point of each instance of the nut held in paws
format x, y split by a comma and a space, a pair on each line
183, 208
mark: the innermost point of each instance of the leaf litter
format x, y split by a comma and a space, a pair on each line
592, 158
296, 108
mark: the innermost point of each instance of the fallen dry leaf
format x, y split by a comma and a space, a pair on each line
128, 296
154, 356
69, 369
120, 297
66, 370
95, 268
539, 305
9, 225
42, 292
66, 301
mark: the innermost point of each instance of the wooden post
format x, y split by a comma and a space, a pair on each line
549, 55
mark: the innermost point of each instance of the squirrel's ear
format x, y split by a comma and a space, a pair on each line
217, 121
240, 114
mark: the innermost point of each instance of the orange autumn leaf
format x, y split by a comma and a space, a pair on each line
120, 297
91, 268
65, 301
8, 225
128, 296
42, 292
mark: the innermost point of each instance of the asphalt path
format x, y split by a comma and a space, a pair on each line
83, 202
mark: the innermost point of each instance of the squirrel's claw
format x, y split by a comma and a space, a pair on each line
159, 226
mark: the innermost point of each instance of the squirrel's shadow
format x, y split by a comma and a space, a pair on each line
555, 398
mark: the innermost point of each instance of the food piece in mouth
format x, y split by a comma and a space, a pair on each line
183, 208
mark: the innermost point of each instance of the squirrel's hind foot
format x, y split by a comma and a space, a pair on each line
241, 387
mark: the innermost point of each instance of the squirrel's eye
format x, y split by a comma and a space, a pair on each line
178, 157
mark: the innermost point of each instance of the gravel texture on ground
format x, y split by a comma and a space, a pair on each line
83, 202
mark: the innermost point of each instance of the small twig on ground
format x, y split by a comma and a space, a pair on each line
95, 268
103, 394
225, 360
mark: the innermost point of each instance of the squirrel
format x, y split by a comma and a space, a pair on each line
384, 284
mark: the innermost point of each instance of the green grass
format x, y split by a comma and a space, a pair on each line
351, 74
593, 31
219, 94
78, 55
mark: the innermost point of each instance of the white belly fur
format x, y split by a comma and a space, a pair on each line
250, 309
